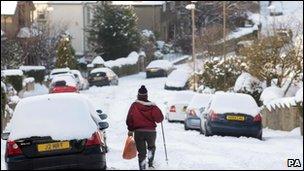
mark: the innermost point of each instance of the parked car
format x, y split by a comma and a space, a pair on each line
177, 104
58, 71
197, 105
177, 80
84, 84
63, 83
61, 131
102, 77
159, 68
233, 114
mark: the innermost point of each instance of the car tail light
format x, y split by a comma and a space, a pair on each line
257, 118
192, 112
173, 109
214, 116
95, 139
12, 149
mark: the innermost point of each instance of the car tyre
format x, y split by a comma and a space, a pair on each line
206, 132
185, 126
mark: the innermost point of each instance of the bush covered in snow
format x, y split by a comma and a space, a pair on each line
13, 77
37, 72
248, 84
222, 74
271, 93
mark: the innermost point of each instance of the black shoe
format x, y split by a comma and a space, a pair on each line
142, 165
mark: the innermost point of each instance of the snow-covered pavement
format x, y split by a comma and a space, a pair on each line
189, 149
186, 149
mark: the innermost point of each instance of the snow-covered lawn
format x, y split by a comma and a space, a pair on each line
186, 149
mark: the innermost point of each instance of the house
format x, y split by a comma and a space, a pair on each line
15, 16
71, 17
152, 15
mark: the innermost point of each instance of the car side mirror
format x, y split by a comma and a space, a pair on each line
103, 125
99, 111
103, 116
5, 135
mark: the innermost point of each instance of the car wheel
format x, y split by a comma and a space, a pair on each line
206, 132
185, 126
260, 137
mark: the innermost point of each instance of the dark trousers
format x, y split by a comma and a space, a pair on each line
142, 139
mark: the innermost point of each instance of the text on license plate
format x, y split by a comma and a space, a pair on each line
235, 118
53, 146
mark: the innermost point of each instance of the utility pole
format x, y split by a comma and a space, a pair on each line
193, 47
224, 28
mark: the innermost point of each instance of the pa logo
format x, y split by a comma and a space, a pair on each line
293, 163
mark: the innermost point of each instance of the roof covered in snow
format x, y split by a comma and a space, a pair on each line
234, 103
181, 97
28, 68
8, 7
199, 100
68, 78
138, 2
163, 64
45, 118
58, 70
11, 72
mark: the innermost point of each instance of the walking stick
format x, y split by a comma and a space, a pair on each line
164, 142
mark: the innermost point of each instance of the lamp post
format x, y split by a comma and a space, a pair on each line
192, 8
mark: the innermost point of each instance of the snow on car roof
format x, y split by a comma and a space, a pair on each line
199, 100
178, 78
106, 70
234, 103
68, 78
56, 70
163, 64
62, 116
11, 72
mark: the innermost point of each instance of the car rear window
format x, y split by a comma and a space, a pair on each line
62, 116
99, 74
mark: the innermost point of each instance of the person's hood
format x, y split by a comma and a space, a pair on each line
144, 106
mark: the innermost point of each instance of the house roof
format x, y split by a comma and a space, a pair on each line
147, 3
8, 7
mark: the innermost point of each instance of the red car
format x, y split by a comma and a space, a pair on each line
64, 84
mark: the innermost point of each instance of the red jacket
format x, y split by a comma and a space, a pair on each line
143, 115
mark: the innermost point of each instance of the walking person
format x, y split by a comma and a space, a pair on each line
141, 121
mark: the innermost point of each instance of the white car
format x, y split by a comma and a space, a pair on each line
84, 84
197, 105
177, 80
177, 105
58, 71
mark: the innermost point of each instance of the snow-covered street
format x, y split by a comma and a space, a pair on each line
189, 149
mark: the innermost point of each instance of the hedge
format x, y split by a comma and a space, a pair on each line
15, 81
125, 70
3, 101
37, 74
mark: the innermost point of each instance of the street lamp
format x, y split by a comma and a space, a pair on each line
192, 8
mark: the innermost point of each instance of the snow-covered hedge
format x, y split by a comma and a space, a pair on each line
271, 93
248, 84
37, 72
13, 77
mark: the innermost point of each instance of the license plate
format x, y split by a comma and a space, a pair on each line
153, 70
53, 146
235, 118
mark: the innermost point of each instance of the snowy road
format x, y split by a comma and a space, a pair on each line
189, 149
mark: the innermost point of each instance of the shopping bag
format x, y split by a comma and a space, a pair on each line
130, 150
